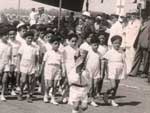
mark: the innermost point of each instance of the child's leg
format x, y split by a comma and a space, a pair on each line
13, 82
48, 85
76, 107
23, 81
84, 106
53, 101
93, 92
4, 85
18, 76
113, 90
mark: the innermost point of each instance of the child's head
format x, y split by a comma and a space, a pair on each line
55, 42
89, 37
35, 30
12, 33
42, 31
29, 36
94, 43
116, 42
22, 29
102, 39
48, 36
73, 38
4, 34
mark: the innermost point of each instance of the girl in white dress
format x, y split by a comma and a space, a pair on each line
70, 52
102, 49
93, 66
115, 59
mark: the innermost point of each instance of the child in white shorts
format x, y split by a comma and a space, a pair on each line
5, 59
51, 65
28, 63
14, 71
93, 66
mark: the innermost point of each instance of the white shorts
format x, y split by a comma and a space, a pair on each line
77, 94
52, 72
4, 68
27, 68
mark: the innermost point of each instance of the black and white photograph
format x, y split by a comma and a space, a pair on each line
74, 56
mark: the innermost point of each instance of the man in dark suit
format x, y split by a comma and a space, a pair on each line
142, 45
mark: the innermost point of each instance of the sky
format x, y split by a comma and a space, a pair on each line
27, 4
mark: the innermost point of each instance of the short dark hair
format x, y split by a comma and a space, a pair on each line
71, 36
3, 30
54, 38
116, 37
94, 40
28, 33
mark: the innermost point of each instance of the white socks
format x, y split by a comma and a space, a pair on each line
74, 111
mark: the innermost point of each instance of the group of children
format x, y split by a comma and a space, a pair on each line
36, 56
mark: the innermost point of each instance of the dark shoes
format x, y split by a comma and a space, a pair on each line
143, 76
105, 98
148, 79
29, 99
19, 97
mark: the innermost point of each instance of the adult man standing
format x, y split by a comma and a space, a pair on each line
42, 18
131, 31
142, 44
33, 17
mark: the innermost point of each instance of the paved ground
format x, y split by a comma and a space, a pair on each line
133, 96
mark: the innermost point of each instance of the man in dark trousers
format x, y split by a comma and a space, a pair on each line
142, 45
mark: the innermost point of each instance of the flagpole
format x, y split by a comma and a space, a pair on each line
59, 16
18, 11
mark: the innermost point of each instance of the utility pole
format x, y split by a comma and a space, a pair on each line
18, 11
59, 16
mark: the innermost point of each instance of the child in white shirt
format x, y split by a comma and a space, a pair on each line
102, 49
115, 59
28, 62
70, 51
5, 60
52, 64
86, 45
14, 69
93, 66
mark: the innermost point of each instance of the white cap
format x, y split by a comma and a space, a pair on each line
99, 17
86, 14
20, 25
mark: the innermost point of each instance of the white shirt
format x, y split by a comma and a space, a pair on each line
85, 46
132, 30
53, 57
33, 18
15, 47
5, 53
20, 39
102, 49
28, 54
